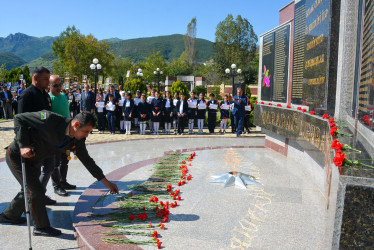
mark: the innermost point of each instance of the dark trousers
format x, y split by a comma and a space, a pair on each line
49, 169
101, 121
233, 124
246, 122
61, 170
238, 121
212, 121
181, 124
8, 112
36, 195
111, 125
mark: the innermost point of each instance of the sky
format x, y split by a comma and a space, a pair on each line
133, 19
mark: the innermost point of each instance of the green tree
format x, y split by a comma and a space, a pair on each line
200, 89
179, 67
216, 90
179, 87
119, 69
76, 51
190, 43
134, 85
236, 43
150, 64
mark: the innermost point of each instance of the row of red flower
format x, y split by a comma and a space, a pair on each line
164, 211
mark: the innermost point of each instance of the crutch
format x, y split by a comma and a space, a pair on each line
27, 211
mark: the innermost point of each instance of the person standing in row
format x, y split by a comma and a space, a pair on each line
122, 126
182, 107
117, 114
191, 111
248, 109
157, 109
168, 111
201, 111
143, 110
87, 100
150, 100
32, 99
128, 112
224, 114
38, 135
175, 112
60, 105
100, 113
7, 98
110, 112
212, 113
135, 112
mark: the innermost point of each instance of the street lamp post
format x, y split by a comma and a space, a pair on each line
158, 73
139, 73
95, 67
233, 73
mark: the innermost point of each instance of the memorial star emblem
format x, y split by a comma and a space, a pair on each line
236, 179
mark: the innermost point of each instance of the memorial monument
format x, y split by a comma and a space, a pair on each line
318, 63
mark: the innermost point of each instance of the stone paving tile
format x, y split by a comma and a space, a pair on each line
7, 135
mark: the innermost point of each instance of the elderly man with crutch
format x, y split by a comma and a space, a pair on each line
39, 135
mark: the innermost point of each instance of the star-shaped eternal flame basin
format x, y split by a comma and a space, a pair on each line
235, 179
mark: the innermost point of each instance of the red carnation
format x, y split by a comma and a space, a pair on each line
332, 124
312, 112
337, 146
156, 108
255, 102
150, 224
298, 108
288, 106
140, 216
131, 217
158, 244
325, 116
162, 226
166, 218
179, 198
131, 194
183, 162
304, 110
270, 103
154, 234
331, 120
262, 103
339, 159
333, 131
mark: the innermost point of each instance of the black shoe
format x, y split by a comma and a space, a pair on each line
67, 186
4, 219
48, 232
49, 201
60, 191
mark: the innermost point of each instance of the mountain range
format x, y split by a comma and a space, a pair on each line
20, 49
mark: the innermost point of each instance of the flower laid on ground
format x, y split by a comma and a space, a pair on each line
270, 103
304, 110
153, 197
312, 112
262, 103
279, 105
298, 108
325, 116
288, 106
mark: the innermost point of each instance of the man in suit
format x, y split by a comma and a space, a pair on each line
39, 135
181, 110
7, 99
240, 101
87, 100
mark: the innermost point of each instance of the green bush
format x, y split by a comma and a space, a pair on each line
134, 85
179, 87
200, 89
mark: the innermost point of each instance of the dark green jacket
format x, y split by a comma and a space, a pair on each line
44, 131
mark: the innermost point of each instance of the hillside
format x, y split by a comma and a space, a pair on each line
11, 60
170, 46
45, 61
26, 47
37, 51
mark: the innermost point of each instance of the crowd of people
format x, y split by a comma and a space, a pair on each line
51, 124
126, 112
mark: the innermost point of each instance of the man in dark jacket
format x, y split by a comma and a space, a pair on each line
87, 100
240, 101
39, 135
7, 98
